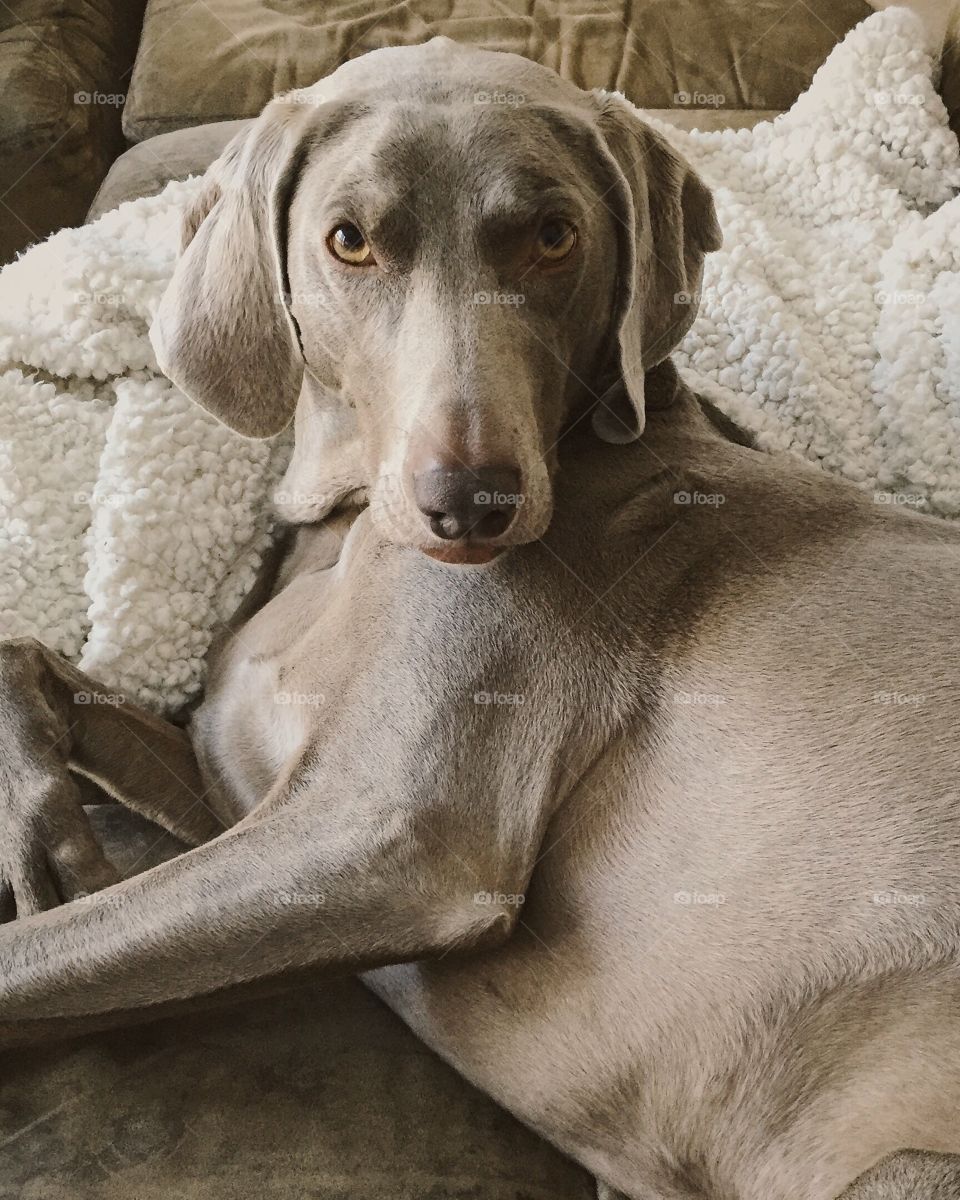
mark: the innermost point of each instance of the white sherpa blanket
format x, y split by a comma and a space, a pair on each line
131, 523
830, 322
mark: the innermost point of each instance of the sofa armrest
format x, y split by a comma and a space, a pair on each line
950, 82
64, 66
147, 167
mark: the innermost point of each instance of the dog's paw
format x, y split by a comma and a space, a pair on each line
48, 853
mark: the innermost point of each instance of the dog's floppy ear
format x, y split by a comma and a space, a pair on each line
666, 225
222, 332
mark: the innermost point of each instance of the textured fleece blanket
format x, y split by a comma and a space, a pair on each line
131, 523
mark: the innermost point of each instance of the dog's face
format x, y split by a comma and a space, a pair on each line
444, 267
440, 257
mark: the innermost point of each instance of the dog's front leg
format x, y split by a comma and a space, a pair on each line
54, 719
342, 883
909, 1175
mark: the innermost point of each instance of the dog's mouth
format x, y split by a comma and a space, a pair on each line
463, 552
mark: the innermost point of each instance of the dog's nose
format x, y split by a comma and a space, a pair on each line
477, 502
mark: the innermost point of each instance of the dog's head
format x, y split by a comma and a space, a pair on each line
438, 258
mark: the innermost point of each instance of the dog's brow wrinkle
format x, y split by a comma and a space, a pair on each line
506, 203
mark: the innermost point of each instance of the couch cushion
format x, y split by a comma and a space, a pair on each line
226, 58
63, 66
321, 1092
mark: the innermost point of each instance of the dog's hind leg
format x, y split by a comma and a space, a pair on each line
909, 1175
906, 1175
55, 720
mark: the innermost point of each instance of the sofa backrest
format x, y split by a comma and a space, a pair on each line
224, 59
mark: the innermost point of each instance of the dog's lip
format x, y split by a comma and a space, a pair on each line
464, 553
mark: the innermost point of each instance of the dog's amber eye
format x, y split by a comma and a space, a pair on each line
555, 240
347, 243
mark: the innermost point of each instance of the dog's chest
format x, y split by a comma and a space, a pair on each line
248, 729
270, 690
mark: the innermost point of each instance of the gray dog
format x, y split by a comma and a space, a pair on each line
609, 795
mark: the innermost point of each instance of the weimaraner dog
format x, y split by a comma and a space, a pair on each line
639, 807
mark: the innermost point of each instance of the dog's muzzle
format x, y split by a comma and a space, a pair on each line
468, 507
